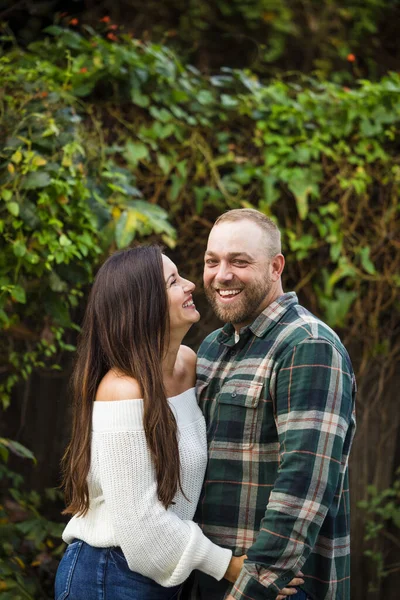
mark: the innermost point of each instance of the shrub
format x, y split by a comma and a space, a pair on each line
30, 544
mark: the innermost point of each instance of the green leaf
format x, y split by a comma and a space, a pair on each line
6, 195
16, 157
200, 194
164, 163
205, 97
344, 270
56, 283
140, 99
4, 317
84, 89
135, 152
337, 309
176, 186
17, 449
18, 294
366, 262
271, 193
37, 179
228, 101
301, 188
19, 248
56, 306
156, 217
28, 213
4, 453
64, 240
168, 241
32, 258
126, 228
13, 208
54, 30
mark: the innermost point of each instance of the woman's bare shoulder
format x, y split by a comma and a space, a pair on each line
188, 355
188, 362
115, 387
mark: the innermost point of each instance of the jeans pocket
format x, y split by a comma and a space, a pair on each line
118, 558
65, 570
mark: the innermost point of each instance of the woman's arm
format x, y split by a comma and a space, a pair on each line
155, 541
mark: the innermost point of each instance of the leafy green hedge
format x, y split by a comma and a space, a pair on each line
30, 546
101, 135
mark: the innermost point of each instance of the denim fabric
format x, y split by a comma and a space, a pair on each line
299, 596
88, 573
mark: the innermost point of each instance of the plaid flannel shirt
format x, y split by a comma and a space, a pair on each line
279, 408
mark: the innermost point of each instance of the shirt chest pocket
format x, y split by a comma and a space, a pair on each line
238, 423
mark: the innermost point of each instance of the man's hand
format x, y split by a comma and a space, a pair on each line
234, 568
286, 591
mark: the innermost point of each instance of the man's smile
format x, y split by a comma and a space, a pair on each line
228, 294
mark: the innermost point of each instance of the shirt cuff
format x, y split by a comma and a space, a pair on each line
248, 585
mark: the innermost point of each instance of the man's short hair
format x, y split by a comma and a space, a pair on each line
273, 235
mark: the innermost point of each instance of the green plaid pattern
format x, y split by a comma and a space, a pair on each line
279, 408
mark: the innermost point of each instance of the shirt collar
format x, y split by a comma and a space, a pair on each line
272, 314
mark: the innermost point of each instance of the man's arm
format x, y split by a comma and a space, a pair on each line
314, 404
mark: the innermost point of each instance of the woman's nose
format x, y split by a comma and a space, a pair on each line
188, 286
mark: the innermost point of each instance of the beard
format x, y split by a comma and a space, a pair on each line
244, 308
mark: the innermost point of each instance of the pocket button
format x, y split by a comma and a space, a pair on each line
234, 394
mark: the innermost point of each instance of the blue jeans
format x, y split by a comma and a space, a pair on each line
88, 573
299, 596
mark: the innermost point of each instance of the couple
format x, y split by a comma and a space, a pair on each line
260, 450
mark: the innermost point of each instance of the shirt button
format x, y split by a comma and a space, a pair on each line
233, 394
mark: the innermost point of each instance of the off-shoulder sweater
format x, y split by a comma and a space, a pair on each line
165, 545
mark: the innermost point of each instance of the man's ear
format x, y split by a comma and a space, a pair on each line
276, 266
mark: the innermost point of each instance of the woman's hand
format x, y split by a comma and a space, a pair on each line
288, 590
234, 568
285, 592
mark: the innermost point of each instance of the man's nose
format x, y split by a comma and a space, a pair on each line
224, 273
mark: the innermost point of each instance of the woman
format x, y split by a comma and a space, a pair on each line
134, 468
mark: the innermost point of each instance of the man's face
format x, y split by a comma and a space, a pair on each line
237, 278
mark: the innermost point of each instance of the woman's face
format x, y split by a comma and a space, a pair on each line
182, 311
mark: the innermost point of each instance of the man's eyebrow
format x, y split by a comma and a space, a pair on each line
231, 254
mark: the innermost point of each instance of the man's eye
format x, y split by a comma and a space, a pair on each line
241, 263
210, 262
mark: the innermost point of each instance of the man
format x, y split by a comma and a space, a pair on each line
277, 390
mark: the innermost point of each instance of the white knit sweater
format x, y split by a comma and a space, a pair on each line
165, 545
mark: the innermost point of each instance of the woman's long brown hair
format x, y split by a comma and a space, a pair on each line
125, 328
